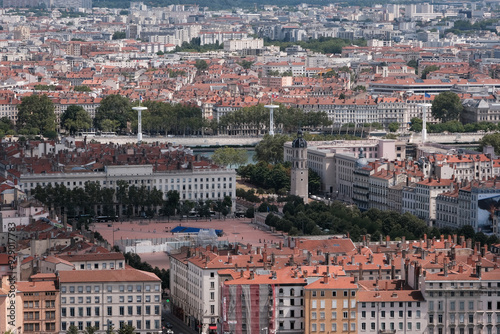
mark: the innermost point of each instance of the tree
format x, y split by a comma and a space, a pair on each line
229, 156
72, 330
491, 140
314, 181
90, 330
75, 118
36, 114
201, 65
116, 108
393, 127
429, 69
416, 124
246, 64
126, 329
270, 148
413, 63
446, 107
82, 89
119, 35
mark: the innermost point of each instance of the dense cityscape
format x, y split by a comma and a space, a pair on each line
249, 168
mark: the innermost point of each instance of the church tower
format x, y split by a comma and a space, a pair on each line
299, 175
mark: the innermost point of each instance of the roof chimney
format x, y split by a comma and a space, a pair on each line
325, 279
478, 269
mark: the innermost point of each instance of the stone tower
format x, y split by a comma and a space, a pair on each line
299, 180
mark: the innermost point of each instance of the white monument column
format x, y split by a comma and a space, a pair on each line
139, 110
425, 108
271, 108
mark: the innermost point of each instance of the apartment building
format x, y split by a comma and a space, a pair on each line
194, 284
331, 305
384, 307
472, 204
425, 194
40, 301
110, 299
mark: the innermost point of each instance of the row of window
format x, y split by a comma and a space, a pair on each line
104, 265
88, 289
80, 311
391, 314
322, 327
322, 303
391, 326
49, 327
109, 299
36, 315
36, 304
138, 324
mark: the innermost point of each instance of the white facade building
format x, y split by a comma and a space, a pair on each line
105, 298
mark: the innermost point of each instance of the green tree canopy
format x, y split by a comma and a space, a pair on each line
429, 69
226, 156
447, 107
201, 65
119, 35
72, 329
416, 124
82, 89
491, 139
393, 127
246, 64
116, 108
75, 118
36, 114
270, 148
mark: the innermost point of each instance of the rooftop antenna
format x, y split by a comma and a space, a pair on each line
139, 110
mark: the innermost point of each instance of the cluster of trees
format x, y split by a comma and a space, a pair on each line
249, 195
195, 46
491, 139
318, 218
453, 126
447, 106
119, 35
115, 114
275, 178
92, 200
322, 44
36, 116
285, 119
226, 156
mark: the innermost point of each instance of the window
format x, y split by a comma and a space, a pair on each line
110, 310
129, 310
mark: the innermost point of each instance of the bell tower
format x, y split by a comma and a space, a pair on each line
299, 174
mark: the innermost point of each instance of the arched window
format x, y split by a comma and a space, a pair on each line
281, 290
292, 292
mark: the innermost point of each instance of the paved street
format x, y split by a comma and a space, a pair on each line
178, 326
